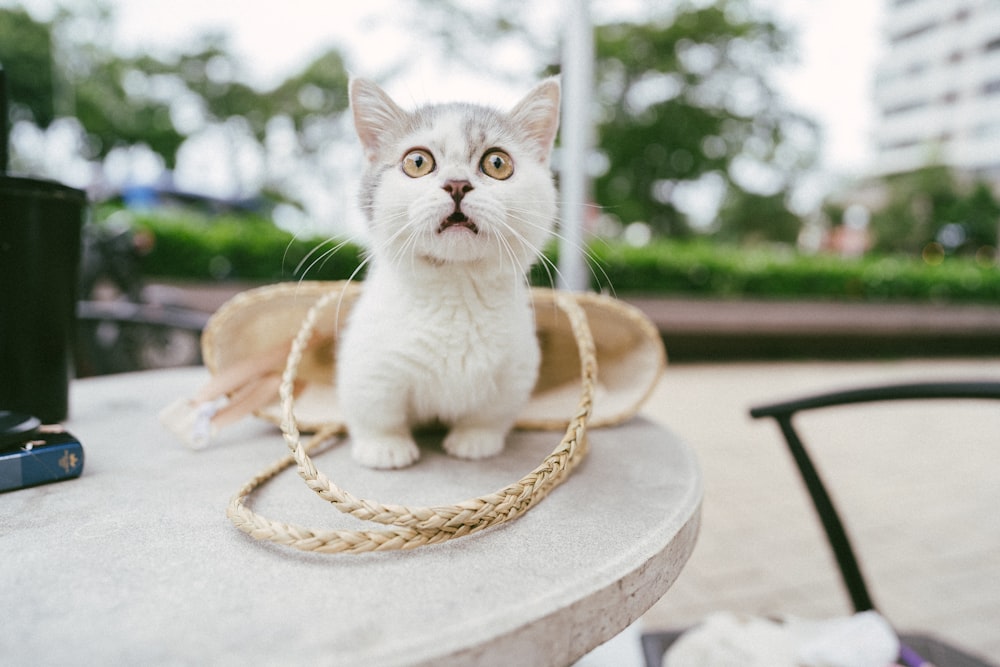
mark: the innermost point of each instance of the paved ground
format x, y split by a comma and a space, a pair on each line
916, 481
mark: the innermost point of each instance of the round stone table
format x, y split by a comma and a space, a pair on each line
135, 562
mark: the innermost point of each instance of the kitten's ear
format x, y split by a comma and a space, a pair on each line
538, 115
376, 116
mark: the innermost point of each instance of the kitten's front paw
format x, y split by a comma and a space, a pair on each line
385, 451
474, 443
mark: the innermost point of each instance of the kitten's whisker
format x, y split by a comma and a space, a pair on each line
326, 255
385, 245
340, 299
592, 260
404, 250
298, 267
288, 246
519, 271
537, 252
322, 258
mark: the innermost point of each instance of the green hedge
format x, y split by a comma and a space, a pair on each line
251, 249
706, 269
241, 248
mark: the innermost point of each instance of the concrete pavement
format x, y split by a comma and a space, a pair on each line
916, 483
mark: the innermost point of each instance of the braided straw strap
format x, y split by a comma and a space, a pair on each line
411, 527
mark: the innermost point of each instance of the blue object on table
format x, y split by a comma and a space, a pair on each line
47, 457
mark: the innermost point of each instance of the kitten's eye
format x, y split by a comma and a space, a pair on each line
497, 164
417, 163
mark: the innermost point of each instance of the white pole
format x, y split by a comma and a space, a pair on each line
577, 83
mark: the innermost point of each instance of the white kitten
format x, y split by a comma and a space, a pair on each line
459, 201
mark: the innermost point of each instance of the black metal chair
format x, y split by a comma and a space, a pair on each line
917, 648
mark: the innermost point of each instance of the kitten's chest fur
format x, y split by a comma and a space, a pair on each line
455, 343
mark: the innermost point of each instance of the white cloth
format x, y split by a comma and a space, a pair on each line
729, 640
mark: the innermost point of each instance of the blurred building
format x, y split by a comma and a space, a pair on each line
937, 87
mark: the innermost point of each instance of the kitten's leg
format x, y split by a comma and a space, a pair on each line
374, 409
383, 449
380, 434
483, 433
472, 439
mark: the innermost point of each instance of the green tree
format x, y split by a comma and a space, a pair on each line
111, 114
977, 216
932, 205
750, 217
26, 57
63, 68
209, 72
129, 100
687, 97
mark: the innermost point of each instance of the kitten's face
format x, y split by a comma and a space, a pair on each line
458, 183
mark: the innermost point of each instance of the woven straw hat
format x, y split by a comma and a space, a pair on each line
259, 324
272, 350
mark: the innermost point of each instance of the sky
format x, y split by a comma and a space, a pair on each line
839, 47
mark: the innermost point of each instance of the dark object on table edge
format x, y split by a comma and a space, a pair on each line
32, 453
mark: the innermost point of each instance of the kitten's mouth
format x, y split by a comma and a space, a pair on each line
458, 219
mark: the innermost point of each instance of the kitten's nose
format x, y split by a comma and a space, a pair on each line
457, 189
